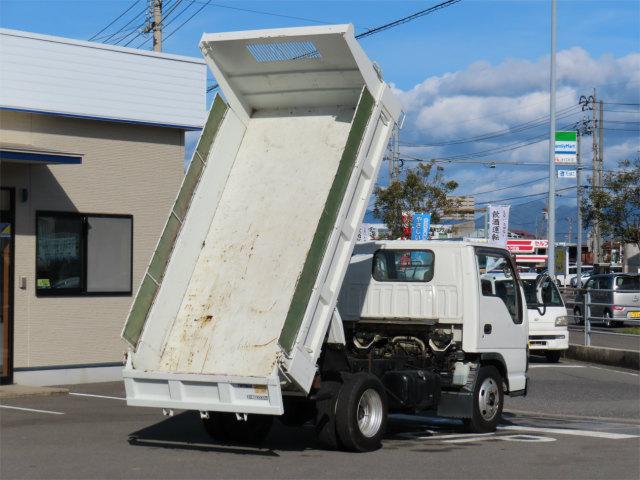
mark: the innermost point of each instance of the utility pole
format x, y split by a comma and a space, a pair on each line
579, 222
594, 174
154, 23
551, 229
601, 147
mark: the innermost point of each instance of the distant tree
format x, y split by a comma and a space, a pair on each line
424, 189
616, 206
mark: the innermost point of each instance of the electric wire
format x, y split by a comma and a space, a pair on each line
114, 20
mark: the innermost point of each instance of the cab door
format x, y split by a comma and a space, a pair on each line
503, 330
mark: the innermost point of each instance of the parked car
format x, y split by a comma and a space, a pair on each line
548, 333
614, 298
564, 279
584, 276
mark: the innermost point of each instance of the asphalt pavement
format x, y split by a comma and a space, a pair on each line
578, 421
602, 337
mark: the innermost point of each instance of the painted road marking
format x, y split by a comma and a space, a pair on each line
96, 396
507, 438
557, 366
31, 410
567, 431
613, 370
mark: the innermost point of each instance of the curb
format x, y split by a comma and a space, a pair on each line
17, 391
606, 356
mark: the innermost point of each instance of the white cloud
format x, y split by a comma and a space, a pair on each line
486, 99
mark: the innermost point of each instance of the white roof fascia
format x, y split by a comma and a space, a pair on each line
100, 46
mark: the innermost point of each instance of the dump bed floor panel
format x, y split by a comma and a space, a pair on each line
241, 289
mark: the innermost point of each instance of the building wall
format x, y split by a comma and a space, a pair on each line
126, 169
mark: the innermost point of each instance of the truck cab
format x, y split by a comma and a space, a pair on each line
548, 333
426, 306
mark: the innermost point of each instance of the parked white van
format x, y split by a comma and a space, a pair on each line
548, 331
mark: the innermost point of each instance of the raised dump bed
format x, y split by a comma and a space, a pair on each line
240, 292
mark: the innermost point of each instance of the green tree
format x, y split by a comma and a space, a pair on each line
424, 189
616, 206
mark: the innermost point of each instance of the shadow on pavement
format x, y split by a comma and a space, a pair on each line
184, 431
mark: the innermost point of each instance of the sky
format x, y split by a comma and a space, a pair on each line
473, 77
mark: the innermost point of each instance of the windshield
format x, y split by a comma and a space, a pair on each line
550, 294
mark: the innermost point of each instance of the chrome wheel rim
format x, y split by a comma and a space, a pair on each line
488, 399
369, 413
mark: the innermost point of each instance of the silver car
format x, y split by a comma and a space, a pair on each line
615, 297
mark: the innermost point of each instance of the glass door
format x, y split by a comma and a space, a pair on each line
6, 282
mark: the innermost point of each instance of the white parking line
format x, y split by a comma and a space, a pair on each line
31, 410
568, 431
613, 370
557, 366
96, 396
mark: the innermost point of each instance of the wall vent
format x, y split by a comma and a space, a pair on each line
283, 51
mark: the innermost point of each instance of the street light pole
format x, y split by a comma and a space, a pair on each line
551, 229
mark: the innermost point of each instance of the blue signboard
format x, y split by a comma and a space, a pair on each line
420, 227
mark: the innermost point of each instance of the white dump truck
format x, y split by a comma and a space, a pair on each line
243, 314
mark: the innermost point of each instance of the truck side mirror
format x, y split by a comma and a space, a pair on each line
540, 281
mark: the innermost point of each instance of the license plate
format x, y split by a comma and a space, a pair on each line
634, 314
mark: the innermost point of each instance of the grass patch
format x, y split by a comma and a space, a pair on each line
631, 330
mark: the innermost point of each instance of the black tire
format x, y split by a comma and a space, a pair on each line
608, 322
297, 411
325, 419
361, 413
577, 316
488, 400
553, 356
225, 427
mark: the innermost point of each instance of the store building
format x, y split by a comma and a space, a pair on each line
92, 141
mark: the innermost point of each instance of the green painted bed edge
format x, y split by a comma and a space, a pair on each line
153, 276
326, 223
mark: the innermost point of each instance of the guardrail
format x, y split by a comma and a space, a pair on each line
581, 309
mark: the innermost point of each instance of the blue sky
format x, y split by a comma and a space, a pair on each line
474, 68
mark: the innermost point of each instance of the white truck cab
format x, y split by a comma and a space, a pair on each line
548, 333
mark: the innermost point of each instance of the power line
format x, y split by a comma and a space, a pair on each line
138, 28
186, 21
407, 19
260, 12
115, 20
121, 29
537, 122
506, 188
525, 196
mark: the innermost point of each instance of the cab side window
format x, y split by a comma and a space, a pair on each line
497, 265
403, 265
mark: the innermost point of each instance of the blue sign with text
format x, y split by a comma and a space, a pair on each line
421, 226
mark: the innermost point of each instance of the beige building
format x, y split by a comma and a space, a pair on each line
90, 164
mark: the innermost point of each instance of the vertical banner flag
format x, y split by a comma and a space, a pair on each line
498, 224
366, 233
421, 226
566, 148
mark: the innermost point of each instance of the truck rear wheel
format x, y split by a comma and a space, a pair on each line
327, 396
488, 400
361, 413
225, 427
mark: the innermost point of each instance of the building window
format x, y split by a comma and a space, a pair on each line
83, 254
403, 265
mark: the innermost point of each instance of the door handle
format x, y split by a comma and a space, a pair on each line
487, 328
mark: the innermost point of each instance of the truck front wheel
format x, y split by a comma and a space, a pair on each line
488, 400
361, 413
225, 427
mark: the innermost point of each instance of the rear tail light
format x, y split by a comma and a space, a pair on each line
618, 308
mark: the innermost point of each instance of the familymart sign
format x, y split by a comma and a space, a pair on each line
566, 148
